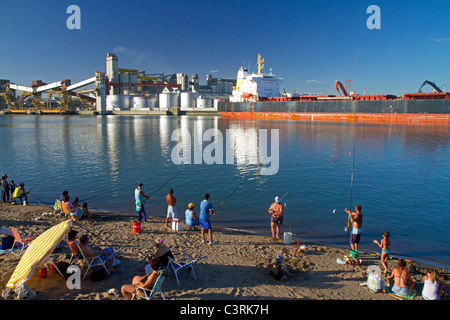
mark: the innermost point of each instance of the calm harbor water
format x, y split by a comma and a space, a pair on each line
401, 174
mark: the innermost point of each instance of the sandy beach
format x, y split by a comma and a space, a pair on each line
235, 267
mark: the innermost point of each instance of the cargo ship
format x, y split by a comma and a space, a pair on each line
257, 96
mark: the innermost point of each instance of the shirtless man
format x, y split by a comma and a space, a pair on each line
356, 218
171, 209
276, 211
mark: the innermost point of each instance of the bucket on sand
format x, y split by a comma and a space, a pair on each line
136, 227
287, 237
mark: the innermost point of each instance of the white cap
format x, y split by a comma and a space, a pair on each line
277, 199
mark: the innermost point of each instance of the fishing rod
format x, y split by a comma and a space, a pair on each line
229, 196
283, 197
36, 185
351, 188
166, 183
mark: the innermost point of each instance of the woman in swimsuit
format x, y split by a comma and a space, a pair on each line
384, 245
400, 280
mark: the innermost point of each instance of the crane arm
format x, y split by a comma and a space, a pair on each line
431, 84
338, 85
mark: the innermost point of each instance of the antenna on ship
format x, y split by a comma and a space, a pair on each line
260, 64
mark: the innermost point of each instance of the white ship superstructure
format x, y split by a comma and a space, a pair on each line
251, 87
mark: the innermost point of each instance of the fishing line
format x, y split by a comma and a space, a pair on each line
36, 184
166, 183
95, 195
229, 196
351, 187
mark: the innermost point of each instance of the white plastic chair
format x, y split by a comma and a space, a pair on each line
185, 263
91, 262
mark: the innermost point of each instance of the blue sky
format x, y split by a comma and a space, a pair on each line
310, 44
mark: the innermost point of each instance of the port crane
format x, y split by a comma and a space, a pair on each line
431, 84
340, 87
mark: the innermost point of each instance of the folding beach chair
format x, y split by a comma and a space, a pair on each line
75, 255
156, 288
66, 210
91, 262
186, 263
21, 243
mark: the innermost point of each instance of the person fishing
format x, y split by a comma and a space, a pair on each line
171, 208
356, 219
20, 193
276, 211
206, 209
140, 197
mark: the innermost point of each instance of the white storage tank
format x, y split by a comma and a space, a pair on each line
204, 102
139, 102
188, 100
169, 100
119, 101
152, 103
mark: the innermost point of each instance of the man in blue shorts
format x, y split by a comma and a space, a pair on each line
356, 219
206, 209
140, 197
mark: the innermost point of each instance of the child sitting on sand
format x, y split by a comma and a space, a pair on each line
384, 245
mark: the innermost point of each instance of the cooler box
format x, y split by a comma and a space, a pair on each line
177, 225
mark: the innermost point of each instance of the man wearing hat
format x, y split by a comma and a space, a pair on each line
140, 197
276, 211
5, 189
191, 217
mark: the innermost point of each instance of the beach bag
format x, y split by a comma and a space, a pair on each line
7, 242
24, 292
98, 275
374, 279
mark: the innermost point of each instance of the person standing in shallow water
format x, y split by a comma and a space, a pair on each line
140, 197
357, 219
276, 211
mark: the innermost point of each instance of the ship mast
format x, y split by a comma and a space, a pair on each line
260, 64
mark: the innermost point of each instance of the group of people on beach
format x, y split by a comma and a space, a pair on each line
400, 281
11, 193
72, 209
192, 219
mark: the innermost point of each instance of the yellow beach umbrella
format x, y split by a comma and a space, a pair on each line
37, 251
